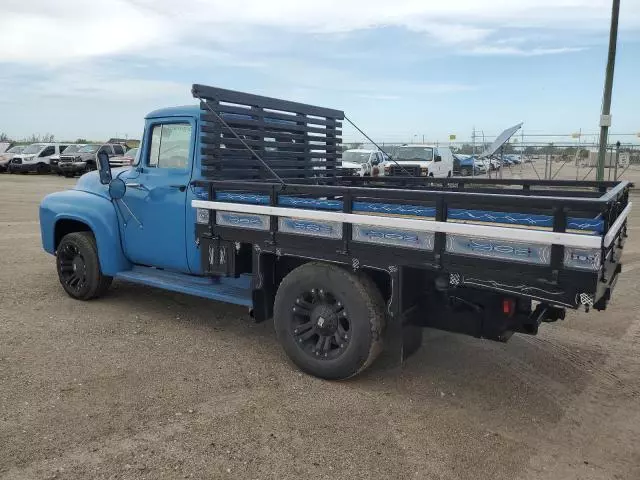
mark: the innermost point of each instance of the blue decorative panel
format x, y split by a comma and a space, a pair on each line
316, 228
201, 193
239, 197
594, 225
582, 259
394, 209
527, 219
314, 203
398, 237
499, 249
242, 220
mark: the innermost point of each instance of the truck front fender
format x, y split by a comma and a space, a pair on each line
73, 210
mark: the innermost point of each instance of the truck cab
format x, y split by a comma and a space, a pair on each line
420, 161
152, 224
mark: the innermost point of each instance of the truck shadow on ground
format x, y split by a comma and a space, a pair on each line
527, 375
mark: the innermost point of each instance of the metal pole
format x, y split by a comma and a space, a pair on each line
615, 172
605, 118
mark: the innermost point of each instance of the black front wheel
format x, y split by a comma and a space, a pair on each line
79, 267
328, 320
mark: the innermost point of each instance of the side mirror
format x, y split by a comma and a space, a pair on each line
104, 169
438, 158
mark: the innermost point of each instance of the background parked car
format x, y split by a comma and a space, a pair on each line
124, 160
55, 159
6, 157
467, 165
360, 161
85, 159
35, 158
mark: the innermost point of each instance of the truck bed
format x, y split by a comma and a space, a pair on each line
270, 182
549, 241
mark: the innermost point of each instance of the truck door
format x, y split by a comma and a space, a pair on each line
154, 231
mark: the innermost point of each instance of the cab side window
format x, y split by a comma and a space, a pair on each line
47, 152
170, 145
118, 149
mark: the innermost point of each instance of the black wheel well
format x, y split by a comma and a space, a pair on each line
286, 264
66, 226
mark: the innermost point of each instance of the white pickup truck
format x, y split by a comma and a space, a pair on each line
361, 162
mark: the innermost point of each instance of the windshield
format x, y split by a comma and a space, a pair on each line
33, 148
355, 157
16, 149
73, 148
89, 149
424, 154
131, 153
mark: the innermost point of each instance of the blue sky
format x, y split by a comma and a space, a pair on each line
399, 69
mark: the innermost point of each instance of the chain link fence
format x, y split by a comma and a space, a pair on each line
530, 157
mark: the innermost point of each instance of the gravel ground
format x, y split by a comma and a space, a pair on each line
149, 384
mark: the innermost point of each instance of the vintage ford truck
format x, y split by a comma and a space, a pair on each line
239, 199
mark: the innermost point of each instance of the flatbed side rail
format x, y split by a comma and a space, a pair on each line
560, 261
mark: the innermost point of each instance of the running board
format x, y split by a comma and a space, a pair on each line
228, 290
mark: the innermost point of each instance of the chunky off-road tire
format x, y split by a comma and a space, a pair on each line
466, 172
79, 267
329, 320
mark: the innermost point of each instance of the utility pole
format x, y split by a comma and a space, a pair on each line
605, 118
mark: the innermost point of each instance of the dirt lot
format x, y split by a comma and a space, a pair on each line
149, 384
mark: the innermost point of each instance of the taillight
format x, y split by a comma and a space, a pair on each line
508, 306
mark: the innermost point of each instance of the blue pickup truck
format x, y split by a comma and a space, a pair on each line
239, 199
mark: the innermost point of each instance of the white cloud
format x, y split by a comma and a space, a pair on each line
61, 31
522, 52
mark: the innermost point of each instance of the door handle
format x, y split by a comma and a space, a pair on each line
182, 188
134, 185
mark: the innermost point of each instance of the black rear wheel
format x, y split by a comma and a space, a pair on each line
79, 267
328, 320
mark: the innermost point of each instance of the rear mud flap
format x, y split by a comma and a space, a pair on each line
400, 342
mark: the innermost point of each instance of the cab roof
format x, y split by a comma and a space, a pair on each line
181, 111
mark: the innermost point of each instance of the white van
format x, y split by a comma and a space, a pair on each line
420, 161
36, 158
